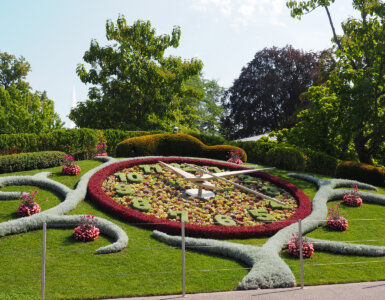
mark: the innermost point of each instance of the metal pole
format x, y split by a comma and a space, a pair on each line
183, 262
300, 250
43, 261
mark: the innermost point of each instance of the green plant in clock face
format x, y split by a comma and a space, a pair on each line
157, 191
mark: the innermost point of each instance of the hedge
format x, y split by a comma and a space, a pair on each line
286, 158
256, 151
169, 144
361, 172
30, 161
320, 163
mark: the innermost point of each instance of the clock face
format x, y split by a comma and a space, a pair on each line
143, 191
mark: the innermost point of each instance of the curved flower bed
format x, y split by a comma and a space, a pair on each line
96, 194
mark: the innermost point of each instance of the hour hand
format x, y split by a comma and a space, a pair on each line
177, 171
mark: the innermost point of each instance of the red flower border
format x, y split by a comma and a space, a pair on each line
96, 195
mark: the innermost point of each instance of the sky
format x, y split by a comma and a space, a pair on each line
225, 34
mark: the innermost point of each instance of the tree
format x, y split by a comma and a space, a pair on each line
22, 110
266, 95
12, 69
206, 111
319, 126
359, 77
134, 86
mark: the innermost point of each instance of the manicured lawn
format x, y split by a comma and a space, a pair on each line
148, 267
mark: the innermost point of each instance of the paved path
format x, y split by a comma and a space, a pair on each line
363, 290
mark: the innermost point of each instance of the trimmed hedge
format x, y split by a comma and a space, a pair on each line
320, 163
169, 144
256, 151
31, 161
361, 172
286, 158
18, 143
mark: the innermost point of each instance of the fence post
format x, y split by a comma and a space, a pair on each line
43, 260
183, 262
300, 250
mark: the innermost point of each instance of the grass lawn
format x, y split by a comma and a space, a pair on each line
149, 267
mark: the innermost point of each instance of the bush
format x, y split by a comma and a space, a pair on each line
19, 143
80, 143
320, 163
286, 158
114, 136
361, 172
209, 140
30, 161
256, 151
169, 144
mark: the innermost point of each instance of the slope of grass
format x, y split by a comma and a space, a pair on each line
148, 267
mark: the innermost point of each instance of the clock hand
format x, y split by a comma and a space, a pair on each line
178, 171
237, 185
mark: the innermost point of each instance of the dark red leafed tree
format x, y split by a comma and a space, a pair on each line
265, 97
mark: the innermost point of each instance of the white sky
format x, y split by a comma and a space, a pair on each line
224, 34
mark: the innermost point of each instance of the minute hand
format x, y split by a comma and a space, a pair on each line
237, 185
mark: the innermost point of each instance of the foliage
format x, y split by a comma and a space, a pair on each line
286, 158
265, 97
30, 161
319, 126
208, 110
358, 78
320, 163
169, 144
132, 77
22, 110
362, 172
256, 151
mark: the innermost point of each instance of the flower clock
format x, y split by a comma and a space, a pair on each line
237, 202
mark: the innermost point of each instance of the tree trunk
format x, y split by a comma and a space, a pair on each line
364, 154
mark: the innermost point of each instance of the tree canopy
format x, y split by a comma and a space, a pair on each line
134, 86
266, 95
22, 110
359, 76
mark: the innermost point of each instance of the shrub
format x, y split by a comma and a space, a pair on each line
361, 172
320, 163
30, 161
208, 139
114, 136
19, 143
256, 151
286, 158
173, 144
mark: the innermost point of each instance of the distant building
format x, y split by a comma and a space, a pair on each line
256, 137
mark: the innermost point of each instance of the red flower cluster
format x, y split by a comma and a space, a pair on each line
27, 210
353, 199
70, 170
28, 206
86, 231
307, 247
235, 157
335, 221
339, 224
97, 195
